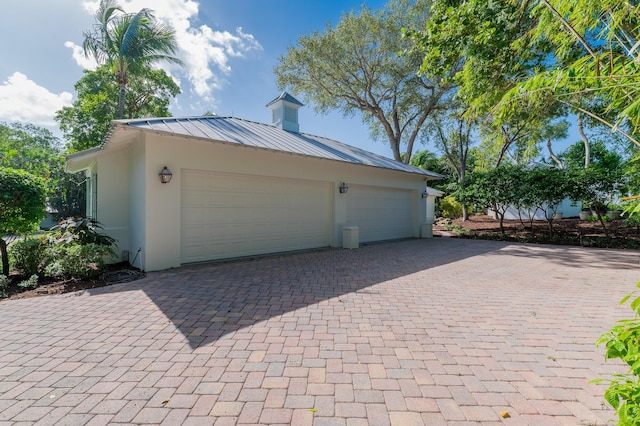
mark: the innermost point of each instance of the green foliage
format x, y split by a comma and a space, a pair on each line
76, 260
80, 230
427, 160
631, 219
22, 201
599, 156
488, 46
37, 151
28, 255
594, 186
4, 286
540, 188
30, 148
86, 123
458, 230
623, 342
30, 283
545, 189
450, 207
354, 67
595, 58
497, 189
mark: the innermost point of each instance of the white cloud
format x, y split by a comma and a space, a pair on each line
23, 100
204, 51
80, 58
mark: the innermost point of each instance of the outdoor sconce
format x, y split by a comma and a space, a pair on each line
425, 194
165, 175
343, 188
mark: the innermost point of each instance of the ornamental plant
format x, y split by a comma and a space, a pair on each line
80, 261
80, 230
29, 255
623, 342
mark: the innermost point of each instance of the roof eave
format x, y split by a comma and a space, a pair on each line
81, 160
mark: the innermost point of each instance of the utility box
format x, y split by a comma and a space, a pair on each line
350, 237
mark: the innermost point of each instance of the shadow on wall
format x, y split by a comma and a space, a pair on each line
208, 301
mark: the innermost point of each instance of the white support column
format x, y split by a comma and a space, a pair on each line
426, 230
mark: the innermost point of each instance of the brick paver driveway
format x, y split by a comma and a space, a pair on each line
431, 332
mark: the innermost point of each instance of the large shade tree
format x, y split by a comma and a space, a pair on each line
354, 67
452, 134
127, 43
491, 40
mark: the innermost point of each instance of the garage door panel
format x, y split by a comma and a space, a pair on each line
229, 215
381, 213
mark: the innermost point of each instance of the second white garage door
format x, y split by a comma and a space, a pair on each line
381, 213
230, 215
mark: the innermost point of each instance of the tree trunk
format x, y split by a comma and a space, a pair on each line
587, 150
465, 212
5, 257
121, 101
501, 217
604, 227
553, 156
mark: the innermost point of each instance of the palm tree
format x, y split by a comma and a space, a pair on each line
128, 42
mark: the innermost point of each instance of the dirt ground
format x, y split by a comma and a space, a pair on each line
569, 231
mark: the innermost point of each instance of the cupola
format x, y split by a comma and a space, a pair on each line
284, 112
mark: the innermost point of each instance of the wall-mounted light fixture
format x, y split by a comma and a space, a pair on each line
343, 188
425, 194
165, 175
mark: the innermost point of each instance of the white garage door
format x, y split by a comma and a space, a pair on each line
380, 213
230, 215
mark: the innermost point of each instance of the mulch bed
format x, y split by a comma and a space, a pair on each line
119, 272
569, 231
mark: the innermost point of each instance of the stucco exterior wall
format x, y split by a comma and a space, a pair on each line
144, 215
112, 200
137, 203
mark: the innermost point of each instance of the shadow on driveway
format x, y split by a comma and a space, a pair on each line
576, 257
208, 301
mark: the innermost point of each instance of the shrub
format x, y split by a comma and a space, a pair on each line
623, 342
28, 256
632, 220
29, 284
81, 230
450, 207
80, 261
4, 286
22, 200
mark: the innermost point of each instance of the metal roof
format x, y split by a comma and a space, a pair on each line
286, 97
249, 133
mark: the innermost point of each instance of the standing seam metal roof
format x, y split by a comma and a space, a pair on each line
249, 133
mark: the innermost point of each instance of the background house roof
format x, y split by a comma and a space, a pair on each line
249, 133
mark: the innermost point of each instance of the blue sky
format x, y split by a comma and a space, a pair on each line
229, 47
